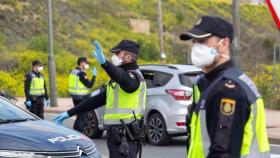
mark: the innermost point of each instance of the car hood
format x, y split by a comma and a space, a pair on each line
41, 136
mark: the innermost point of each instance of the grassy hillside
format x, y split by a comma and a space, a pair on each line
23, 33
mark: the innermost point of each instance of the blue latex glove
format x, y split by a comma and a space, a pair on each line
28, 104
60, 118
94, 71
98, 53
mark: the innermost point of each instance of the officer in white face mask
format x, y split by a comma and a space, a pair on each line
124, 94
79, 88
35, 90
227, 116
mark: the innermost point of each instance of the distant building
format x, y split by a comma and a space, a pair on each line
140, 26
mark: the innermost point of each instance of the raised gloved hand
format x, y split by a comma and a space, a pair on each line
98, 53
28, 104
60, 118
94, 71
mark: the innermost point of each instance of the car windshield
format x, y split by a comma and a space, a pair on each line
11, 113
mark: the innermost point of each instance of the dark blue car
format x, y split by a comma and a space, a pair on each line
25, 135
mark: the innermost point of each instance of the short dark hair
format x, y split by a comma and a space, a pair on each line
81, 59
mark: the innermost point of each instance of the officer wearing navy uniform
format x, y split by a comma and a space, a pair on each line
227, 116
35, 90
123, 95
79, 86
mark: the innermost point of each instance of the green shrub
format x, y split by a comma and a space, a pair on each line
40, 43
264, 81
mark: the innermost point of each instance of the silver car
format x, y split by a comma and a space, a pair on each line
168, 97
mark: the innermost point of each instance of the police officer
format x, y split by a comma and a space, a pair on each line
125, 93
78, 88
228, 116
35, 90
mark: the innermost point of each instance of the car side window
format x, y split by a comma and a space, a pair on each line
187, 79
156, 79
149, 77
161, 79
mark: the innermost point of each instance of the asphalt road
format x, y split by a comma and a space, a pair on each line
175, 149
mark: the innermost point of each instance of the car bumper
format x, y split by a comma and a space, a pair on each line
175, 126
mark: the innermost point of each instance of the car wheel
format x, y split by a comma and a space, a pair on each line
156, 130
91, 126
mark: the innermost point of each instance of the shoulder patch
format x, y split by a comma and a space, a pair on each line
230, 84
227, 106
250, 83
131, 75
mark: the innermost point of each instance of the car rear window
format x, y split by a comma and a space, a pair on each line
187, 79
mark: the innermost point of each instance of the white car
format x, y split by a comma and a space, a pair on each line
168, 97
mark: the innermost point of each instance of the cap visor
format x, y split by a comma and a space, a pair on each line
194, 34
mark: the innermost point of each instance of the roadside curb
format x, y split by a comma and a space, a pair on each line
54, 111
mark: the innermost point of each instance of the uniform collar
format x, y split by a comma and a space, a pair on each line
36, 73
130, 66
217, 71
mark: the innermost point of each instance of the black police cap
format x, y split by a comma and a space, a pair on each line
208, 26
36, 62
82, 59
126, 45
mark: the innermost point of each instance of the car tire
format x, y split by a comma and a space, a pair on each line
157, 130
91, 128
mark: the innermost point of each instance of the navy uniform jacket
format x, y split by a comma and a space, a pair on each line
225, 124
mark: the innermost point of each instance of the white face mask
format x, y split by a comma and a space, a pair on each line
40, 68
86, 66
116, 60
203, 55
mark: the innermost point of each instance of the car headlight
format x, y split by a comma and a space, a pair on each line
25, 154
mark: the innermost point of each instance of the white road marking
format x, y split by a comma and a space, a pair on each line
274, 156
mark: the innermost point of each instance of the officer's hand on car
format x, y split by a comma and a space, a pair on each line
98, 53
28, 104
94, 71
60, 118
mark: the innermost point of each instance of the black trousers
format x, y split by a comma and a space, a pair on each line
37, 107
114, 143
80, 121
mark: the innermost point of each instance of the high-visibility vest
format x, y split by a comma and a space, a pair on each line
75, 86
255, 141
37, 86
121, 105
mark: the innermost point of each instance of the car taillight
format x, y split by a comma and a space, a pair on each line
181, 123
179, 94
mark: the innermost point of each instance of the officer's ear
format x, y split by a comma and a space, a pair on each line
129, 57
224, 46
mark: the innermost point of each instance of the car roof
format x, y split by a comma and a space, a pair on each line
171, 68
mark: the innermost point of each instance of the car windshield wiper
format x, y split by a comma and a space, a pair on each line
16, 120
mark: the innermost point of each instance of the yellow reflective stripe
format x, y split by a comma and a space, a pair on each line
121, 116
248, 134
196, 93
110, 96
261, 127
255, 140
196, 147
